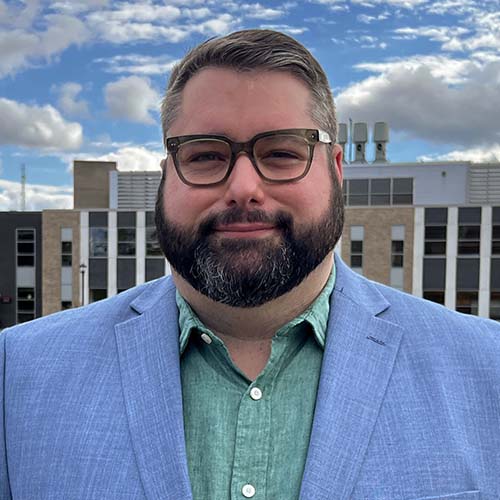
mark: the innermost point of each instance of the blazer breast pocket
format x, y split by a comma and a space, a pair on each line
464, 495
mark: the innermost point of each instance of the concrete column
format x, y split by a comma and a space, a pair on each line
84, 256
140, 247
112, 252
418, 251
485, 262
450, 294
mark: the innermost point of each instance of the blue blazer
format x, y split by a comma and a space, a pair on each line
408, 405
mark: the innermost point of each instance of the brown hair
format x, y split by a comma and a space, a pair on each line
249, 50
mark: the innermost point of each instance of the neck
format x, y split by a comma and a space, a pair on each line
261, 322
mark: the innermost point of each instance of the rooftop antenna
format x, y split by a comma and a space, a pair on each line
23, 187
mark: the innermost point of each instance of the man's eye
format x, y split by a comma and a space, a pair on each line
281, 154
207, 157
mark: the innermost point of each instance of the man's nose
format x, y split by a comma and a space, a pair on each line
244, 187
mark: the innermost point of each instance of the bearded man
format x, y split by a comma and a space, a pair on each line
263, 368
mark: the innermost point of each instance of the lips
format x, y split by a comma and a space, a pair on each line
245, 230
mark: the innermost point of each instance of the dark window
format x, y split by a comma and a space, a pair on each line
380, 191
397, 253
25, 304
28, 248
125, 273
155, 268
126, 241
98, 242
469, 215
495, 305
434, 296
66, 253
435, 233
97, 294
152, 244
495, 275
98, 219
26, 234
467, 302
357, 253
467, 274
469, 238
436, 216
358, 192
435, 247
495, 236
25, 260
434, 274
66, 304
402, 191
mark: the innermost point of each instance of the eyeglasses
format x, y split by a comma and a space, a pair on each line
279, 156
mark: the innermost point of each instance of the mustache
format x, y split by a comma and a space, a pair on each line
281, 220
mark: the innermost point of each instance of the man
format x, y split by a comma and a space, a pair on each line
263, 369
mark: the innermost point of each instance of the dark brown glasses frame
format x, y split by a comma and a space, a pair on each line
311, 136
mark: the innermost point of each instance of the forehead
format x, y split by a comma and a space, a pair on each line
242, 104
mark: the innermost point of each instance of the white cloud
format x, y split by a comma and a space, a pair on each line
406, 4
415, 101
259, 11
21, 49
135, 158
37, 127
138, 64
132, 98
477, 155
68, 101
38, 196
366, 19
198, 13
285, 28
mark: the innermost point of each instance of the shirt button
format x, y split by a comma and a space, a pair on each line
248, 491
206, 338
255, 393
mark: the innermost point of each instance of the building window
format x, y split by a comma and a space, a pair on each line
467, 302
495, 305
434, 269
96, 294
66, 253
495, 236
25, 247
126, 242
469, 230
357, 237
98, 242
397, 256
380, 192
358, 192
66, 304
25, 304
402, 191
152, 245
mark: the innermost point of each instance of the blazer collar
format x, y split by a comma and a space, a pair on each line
148, 352
360, 352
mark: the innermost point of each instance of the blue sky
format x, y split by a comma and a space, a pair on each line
83, 79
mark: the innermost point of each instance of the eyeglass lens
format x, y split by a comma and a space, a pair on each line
278, 157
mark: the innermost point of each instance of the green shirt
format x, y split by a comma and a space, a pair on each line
249, 439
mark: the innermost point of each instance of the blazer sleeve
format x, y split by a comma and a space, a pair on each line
5, 493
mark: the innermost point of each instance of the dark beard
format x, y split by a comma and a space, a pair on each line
249, 272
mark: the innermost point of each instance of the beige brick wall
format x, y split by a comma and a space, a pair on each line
91, 183
52, 222
378, 222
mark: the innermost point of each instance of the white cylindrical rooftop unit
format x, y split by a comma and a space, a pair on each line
360, 138
381, 138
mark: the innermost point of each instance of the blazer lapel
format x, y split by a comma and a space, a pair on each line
148, 350
357, 364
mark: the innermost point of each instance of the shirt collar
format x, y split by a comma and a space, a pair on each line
316, 315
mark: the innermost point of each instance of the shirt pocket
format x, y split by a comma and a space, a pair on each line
464, 495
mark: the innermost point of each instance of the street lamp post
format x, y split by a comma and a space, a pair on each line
83, 268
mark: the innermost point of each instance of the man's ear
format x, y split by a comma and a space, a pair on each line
163, 164
337, 156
